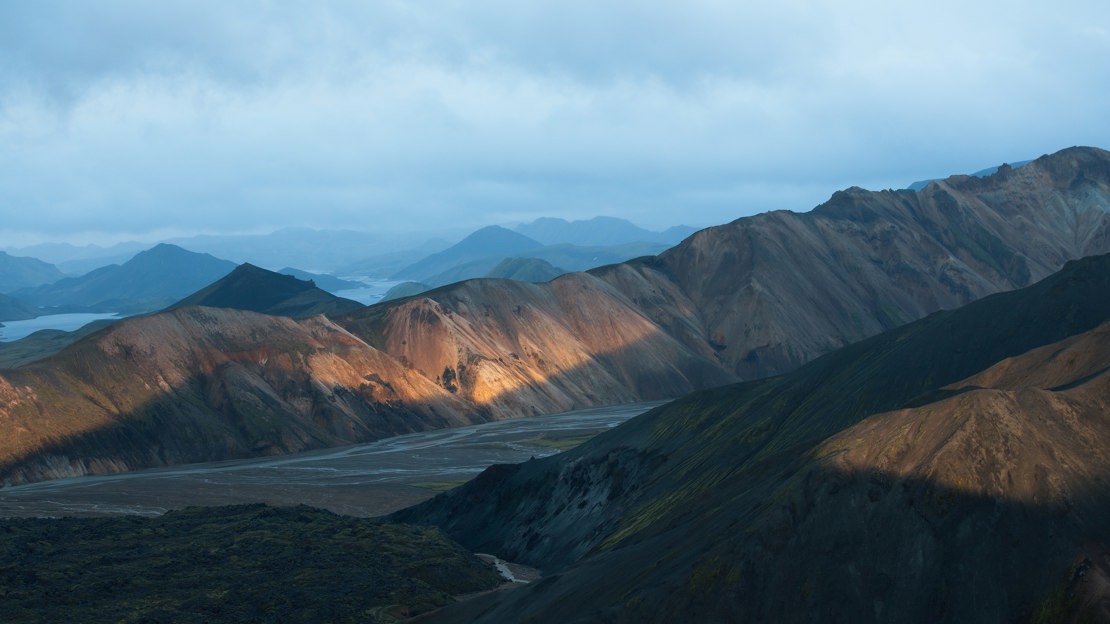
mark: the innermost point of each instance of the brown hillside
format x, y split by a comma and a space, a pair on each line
201, 384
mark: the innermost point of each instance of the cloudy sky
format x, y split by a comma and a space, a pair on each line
139, 120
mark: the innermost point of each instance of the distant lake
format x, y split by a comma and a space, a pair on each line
371, 293
15, 330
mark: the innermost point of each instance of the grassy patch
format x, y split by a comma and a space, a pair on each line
250, 563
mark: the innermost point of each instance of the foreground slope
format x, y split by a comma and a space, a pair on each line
248, 563
201, 384
870, 485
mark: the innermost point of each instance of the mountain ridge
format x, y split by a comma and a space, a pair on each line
151, 280
251, 288
722, 504
764, 294
744, 300
19, 272
201, 384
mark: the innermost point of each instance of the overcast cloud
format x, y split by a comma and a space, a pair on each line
144, 119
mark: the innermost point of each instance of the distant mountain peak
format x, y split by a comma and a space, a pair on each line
598, 231
501, 235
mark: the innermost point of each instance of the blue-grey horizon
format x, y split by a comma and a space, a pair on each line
124, 120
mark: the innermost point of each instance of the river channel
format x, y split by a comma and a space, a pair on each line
363, 480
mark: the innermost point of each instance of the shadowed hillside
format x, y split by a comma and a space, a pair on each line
869, 485
202, 384
258, 290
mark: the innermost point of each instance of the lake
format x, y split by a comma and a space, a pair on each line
16, 330
369, 294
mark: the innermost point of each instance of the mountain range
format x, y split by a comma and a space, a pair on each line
599, 232
954, 469
481, 253
18, 272
151, 280
893, 408
756, 297
254, 289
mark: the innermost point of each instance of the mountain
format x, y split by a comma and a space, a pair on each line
598, 232
200, 384
579, 258
44, 343
953, 469
151, 280
405, 289
525, 270
479, 254
756, 297
316, 250
258, 290
12, 309
78, 260
323, 281
381, 265
17, 272
570, 257
517, 348
920, 184
489, 242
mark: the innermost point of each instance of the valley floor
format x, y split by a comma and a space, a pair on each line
364, 480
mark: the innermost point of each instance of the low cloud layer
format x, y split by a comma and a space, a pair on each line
136, 119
